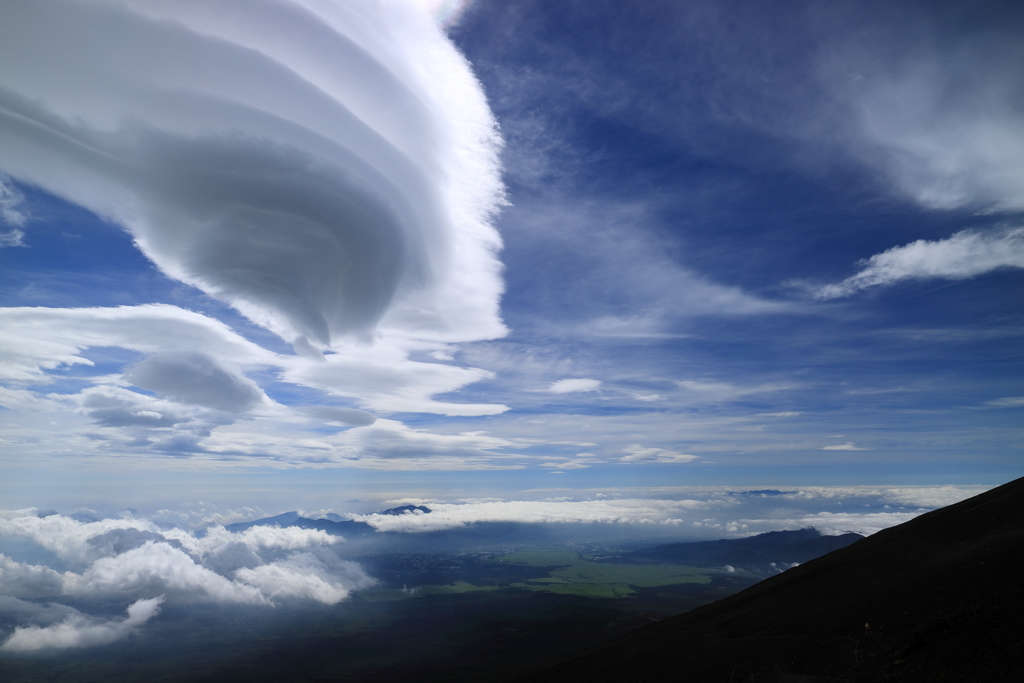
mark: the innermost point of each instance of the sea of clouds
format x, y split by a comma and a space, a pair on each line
690, 512
143, 564
184, 557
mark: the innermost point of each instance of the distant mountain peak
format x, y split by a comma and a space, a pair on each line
405, 510
332, 523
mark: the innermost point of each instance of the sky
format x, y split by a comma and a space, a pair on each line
675, 269
329, 255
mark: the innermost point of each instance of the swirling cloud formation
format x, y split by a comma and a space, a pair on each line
325, 167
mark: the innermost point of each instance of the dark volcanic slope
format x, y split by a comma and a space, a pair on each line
942, 593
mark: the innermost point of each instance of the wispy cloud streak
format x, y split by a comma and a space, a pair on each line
966, 254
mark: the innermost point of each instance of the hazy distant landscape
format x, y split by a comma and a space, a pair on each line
443, 605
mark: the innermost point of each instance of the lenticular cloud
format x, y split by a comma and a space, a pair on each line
327, 167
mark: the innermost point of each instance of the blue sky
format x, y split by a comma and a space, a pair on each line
563, 246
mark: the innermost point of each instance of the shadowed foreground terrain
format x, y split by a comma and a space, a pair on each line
443, 609
942, 595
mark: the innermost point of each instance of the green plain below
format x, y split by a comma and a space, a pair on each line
569, 575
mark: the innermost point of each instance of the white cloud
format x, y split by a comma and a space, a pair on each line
568, 386
26, 580
723, 391
922, 496
625, 282
21, 399
638, 454
565, 465
255, 538
394, 445
12, 238
206, 389
966, 254
11, 214
34, 613
383, 378
271, 171
848, 446
66, 537
158, 568
115, 407
348, 416
195, 378
706, 512
80, 631
320, 577
132, 558
942, 115
1007, 402
448, 515
37, 344
833, 523
35, 340
329, 169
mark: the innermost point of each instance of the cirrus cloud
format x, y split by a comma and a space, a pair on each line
568, 386
638, 454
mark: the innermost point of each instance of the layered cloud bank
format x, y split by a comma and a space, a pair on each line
329, 169
693, 512
321, 166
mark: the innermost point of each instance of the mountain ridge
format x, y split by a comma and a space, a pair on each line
336, 527
761, 553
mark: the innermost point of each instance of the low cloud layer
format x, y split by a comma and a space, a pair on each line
134, 560
81, 631
140, 564
964, 255
692, 512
